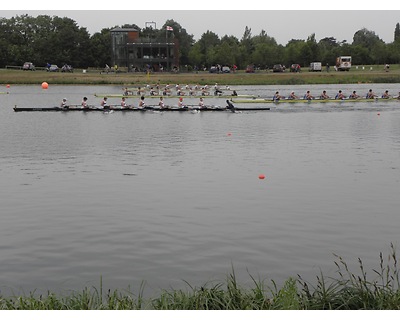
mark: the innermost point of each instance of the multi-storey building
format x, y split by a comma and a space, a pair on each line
143, 54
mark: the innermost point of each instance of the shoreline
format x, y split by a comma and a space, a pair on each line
261, 77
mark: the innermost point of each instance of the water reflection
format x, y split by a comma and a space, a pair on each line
167, 197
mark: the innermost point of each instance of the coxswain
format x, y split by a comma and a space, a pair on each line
230, 106
234, 93
386, 95
323, 95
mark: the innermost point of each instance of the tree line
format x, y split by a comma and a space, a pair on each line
51, 39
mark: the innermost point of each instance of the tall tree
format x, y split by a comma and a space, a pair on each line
397, 32
185, 40
100, 48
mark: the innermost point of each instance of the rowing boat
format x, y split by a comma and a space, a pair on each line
116, 95
266, 100
147, 108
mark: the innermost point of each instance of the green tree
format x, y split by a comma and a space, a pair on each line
328, 50
369, 40
184, 39
293, 52
397, 32
266, 50
207, 43
393, 50
196, 57
246, 48
224, 54
100, 50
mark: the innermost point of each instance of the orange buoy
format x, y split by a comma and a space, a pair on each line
261, 177
45, 85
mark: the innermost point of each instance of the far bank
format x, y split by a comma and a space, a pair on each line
365, 74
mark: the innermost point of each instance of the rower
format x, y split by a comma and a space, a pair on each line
217, 91
277, 96
152, 91
64, 104
292, 96
340, 95
104, 104
354, 95
386, 95
141, 103
371, 94
201, 103
123, 103
84, 103
308, 96
127, 92
323, 95
180, 103
161, 103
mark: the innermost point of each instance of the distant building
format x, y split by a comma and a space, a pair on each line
141, 54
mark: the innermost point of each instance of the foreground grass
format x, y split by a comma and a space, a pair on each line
350, 291
92, 77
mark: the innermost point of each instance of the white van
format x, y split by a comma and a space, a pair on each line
315, 66
343, 63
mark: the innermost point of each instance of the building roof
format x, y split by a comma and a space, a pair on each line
124, 30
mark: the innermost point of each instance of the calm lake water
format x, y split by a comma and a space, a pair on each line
168, 197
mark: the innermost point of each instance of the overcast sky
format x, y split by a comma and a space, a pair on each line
284, 20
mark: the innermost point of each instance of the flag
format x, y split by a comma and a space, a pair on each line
169, 28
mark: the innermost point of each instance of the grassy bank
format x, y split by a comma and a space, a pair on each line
349, 291
93, 77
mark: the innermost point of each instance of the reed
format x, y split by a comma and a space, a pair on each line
348, 291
